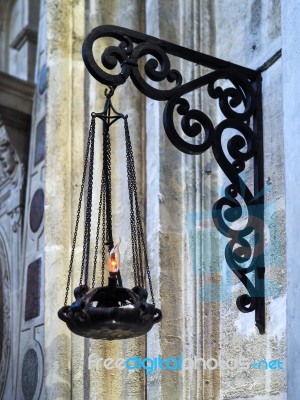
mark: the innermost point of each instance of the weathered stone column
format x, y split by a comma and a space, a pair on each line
60, 168
164, 220
174, 193
290, 82
180, 196
74, 94
253, 38
114, 383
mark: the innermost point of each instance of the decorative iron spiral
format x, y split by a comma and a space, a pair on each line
240, 103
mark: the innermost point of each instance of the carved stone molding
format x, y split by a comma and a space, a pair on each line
8, 158
16, 216
16, 94
27, 34
5, 313
12, 174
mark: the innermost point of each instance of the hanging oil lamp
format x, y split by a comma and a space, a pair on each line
113, 311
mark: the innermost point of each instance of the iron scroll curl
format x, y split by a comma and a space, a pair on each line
239, 102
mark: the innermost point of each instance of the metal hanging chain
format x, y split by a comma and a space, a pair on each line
105, 198
86, 158
89, 207
104, 209
135, 259
107, 177
87, 229
107, 237
100, 209
139, 251
103, 237
138, 223
108, 120
135, 213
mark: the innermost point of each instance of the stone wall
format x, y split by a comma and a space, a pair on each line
255, 41
180, 191
179, 263
290, 62
192, 283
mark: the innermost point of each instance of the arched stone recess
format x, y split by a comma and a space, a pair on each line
5, 314
11, 178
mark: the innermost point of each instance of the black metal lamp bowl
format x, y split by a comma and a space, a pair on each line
110, 312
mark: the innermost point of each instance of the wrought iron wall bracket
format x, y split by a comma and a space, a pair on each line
240, 102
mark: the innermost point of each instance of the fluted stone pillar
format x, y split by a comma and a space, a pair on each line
60, 168
116, 384
73, 95
182, 242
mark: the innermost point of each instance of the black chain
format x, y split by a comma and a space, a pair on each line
87, 229
135, 228
103, 237
135, 220
139, 252
135, 258
133, 233
107, 175
98, 231
92, 127
104, 209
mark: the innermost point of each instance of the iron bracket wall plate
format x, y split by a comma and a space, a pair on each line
240, 103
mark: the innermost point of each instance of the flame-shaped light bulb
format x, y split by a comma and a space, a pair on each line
113, 261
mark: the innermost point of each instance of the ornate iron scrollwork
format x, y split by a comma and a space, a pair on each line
240, 105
